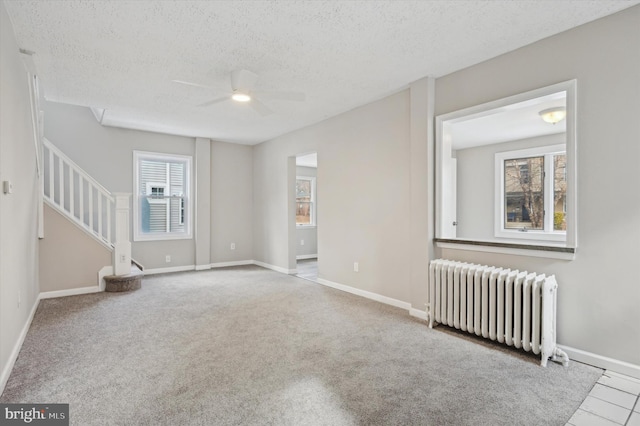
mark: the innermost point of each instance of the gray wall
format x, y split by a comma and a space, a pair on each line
307, 234
106, 153
232, 202
598, 303
364, 186
18, 211
69, 257
224, 193
376, 184
369, 172
476, 185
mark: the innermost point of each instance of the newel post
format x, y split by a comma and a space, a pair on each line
122, 245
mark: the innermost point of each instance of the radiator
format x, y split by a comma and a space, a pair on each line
513, 307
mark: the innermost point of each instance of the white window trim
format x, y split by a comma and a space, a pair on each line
138, 235
547, 234
313, 201
446, 167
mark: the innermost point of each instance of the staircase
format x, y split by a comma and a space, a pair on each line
104, 216
128, 282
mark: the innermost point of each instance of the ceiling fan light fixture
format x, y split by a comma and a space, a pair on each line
553, 115
241, 97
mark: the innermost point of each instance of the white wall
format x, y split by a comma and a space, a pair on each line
598, 302
307, 234
476, 184
18, 211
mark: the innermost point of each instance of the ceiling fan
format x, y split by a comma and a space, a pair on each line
242, 83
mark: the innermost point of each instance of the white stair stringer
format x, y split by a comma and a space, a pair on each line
104, 216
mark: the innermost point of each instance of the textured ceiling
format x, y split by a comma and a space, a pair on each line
121, 56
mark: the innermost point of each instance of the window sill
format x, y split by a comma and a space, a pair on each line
305, 226
533, 237
142, 238
546, 251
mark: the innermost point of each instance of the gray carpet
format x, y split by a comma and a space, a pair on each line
249, 346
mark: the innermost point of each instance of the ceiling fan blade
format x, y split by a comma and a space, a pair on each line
285, 96
243, 80
260, 107
214, 101
188, 83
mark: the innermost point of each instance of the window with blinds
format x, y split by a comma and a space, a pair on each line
162, 202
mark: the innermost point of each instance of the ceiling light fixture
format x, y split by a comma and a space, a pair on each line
553, 115
241, 97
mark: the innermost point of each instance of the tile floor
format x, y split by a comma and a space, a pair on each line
614, 400
308, 269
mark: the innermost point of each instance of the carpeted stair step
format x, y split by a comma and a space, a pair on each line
129, 282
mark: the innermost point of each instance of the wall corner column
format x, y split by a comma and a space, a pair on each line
202, 205
422, 165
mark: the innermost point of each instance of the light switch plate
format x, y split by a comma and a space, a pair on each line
7, 187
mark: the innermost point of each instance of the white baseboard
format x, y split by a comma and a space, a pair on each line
233, 263
367, 294
604, 362
418, 313
107, 270
275, 268
70, 292
217, 265
169, 269
307, 256
6, 371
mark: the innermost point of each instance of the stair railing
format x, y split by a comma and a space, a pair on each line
75, 194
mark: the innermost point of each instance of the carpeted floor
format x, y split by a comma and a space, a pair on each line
249, 346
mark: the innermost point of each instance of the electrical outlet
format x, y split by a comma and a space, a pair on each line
167, 258
301, 242
7, 187
356, 267
233, 246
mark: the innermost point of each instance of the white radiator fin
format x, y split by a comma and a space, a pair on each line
513, 307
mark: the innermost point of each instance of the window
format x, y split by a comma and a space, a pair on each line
471, 206
305, 201
531, 191
161, 200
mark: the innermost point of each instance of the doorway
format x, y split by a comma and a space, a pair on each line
306, 216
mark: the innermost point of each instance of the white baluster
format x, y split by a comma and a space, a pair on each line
71, 195
99, 214
61, 182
